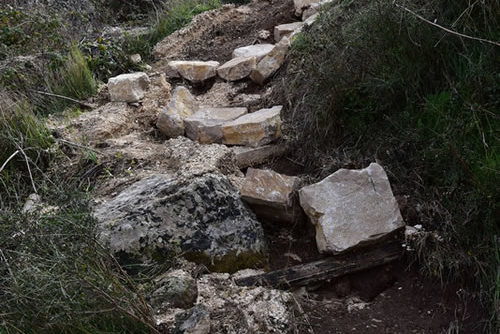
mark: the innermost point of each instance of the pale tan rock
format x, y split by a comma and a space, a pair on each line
285, 30
135, 58
314, 9
252, 156
237, 68
258, 51
270, 195
351, 208
256, 129
171, 119
194, 71
264, 34
205, 125
128, 87
300, 5
272, 62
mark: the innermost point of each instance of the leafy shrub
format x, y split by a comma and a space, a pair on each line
22, 32
371, 81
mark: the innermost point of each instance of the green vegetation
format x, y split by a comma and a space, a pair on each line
174, 17
55, 276
372, 81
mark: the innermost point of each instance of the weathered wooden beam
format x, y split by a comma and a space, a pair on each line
322, 270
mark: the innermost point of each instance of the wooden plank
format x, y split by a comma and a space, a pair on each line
322, 270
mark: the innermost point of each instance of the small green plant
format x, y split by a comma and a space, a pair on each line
176, 16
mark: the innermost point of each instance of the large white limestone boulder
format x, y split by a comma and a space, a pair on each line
193, 70
351, 208
171, 119
258, 51
237, 68
256, 129
128, 87
205, 125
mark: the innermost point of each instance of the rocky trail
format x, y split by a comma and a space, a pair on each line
189, 162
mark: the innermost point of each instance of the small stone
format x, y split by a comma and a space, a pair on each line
264, 34
252, 156
270, 194
258, 51
271, 63
351, 208
171, 119
32, 202
205, 125
128, 87
194, 71
194, 321
174, 289
256, 129
237, 68
136, 58
285, 30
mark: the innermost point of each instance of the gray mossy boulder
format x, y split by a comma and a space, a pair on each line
203, 218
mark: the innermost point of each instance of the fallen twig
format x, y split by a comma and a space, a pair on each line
444, 28
81, 103
8, 159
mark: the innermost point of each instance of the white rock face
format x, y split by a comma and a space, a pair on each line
258, 51
285, 30
314, 9
237, 68
171, 119
205, 125
255, 129
194, 71
128, 87
351, 207
271, 63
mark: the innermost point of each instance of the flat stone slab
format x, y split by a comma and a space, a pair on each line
351, 208
252, 156
270, 195
171, 119
194, 71
205, 125
256, 129
237, 68
128, 87
258, 51
271, 63
285, 30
